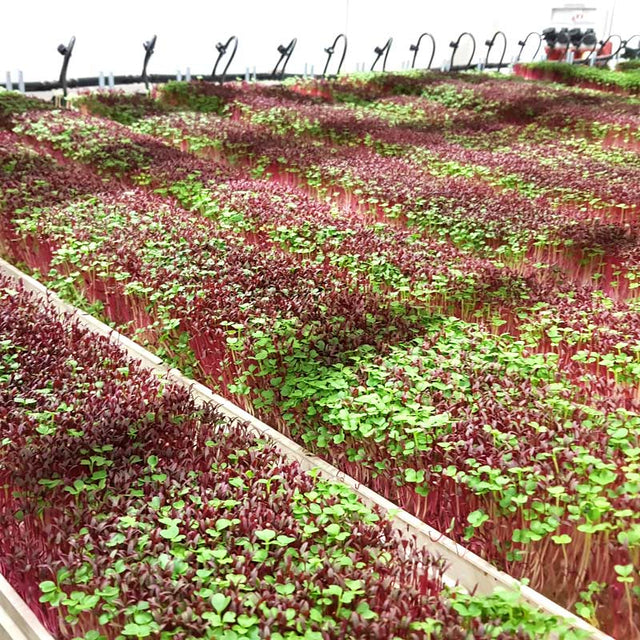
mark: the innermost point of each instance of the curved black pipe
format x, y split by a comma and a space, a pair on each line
455, 45
379, 51
523, 44
489, 44
613, 54
222, 49
149, 48
331, 50
285, 54
66, 52
631, 53
416, 47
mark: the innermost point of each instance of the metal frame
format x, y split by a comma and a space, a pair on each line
416, 47
222, 50
455, 45
331, 50
285, 54
379, 51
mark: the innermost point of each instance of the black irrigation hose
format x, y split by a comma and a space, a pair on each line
331, 50
222, 49
66, 52
285, 54
416, 47
613, 54
455, 45
149, 49
631, 53
379, 51
286, 51
489, 44
523, 44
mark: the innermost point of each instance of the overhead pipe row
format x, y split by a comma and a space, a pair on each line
285, 52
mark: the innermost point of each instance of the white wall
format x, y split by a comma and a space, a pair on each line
110, 35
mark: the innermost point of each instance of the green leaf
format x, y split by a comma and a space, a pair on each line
247, 621
364, 611
92, 634
260, 555
413, 475
284, 541
285, 589
266, 535
477, 518
137, 630
170, 533
220, 602
48, 586
223, 523
142, 617
603, 476
623, 569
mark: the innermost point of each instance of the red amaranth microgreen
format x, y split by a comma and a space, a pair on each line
430, 280
160, 517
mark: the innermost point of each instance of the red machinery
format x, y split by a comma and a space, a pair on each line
573, 44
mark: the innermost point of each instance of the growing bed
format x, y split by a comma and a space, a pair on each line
428, 280
149, 514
